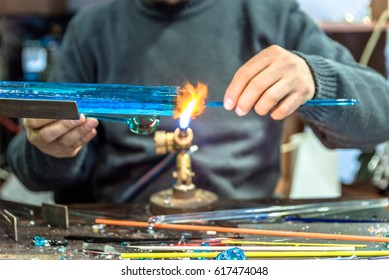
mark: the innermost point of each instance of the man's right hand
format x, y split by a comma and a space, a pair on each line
60, 138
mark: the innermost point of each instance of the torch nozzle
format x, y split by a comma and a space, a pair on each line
183, 138
183, 132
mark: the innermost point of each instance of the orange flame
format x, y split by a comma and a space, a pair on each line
185, 99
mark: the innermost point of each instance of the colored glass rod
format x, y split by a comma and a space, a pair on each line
189, 227
313, 102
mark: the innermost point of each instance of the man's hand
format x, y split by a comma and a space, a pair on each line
275, 82
60, 138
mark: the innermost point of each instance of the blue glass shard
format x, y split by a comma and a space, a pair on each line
232, 254
39, 241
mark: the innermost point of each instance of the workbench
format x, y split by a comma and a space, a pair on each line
66, 244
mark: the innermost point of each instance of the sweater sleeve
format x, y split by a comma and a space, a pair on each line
338, 75
39, 171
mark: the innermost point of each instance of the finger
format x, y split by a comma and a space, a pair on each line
57, 129
74, 137
255, 89
87, 138
91, 123
272, 96
287, 106
58, 150
242, 78
82, 141
36, 123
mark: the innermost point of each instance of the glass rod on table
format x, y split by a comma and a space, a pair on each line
271, 212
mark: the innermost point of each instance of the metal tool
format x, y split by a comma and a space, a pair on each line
10, 224
55, 215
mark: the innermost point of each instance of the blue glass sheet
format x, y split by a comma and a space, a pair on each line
96, 99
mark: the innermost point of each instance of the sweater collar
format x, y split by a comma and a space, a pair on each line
182, 9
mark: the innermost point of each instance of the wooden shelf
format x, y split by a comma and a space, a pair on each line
344, 27
355, 36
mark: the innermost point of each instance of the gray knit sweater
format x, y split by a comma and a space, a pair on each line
133, 42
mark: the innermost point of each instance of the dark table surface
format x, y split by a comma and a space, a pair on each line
82, 223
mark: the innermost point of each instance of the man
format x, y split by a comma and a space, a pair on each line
263, 58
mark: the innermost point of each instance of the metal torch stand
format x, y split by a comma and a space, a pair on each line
183, 197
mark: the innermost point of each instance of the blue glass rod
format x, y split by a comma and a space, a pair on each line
313, 102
